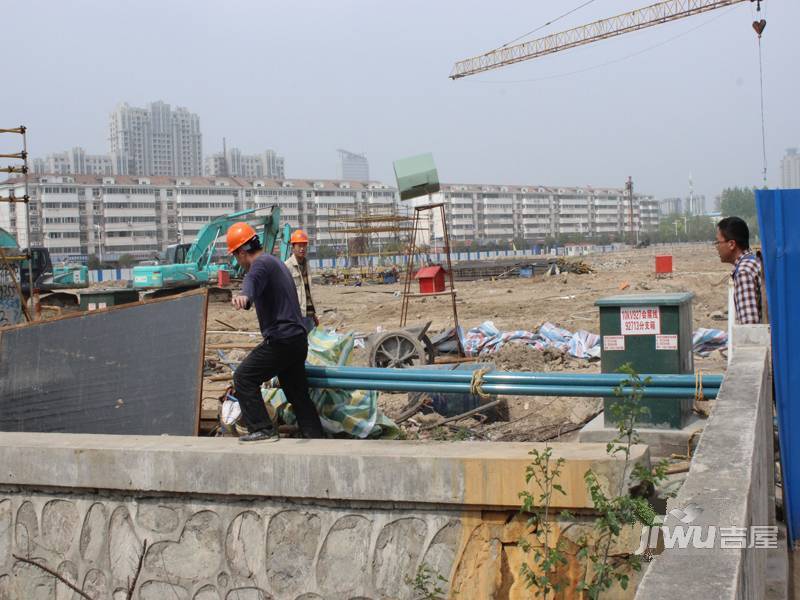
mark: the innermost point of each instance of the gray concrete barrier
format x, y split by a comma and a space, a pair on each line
299, 519
727, 500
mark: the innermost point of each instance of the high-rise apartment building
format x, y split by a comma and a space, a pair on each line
790, 169
156, 141
274, 167
353, 167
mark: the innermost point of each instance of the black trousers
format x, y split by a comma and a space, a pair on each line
285, 358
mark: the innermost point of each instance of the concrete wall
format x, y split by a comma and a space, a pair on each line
300, 519
731, 480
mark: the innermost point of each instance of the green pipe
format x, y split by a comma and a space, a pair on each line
501, 377
498, 388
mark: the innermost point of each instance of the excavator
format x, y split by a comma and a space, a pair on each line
187, 266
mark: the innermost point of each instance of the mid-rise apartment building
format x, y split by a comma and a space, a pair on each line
138, 215
536, 213
73, 162
234, 163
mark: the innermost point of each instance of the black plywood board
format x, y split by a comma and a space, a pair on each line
134, 369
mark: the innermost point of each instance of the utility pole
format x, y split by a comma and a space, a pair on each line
629, 191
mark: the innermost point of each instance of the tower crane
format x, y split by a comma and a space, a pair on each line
641, 18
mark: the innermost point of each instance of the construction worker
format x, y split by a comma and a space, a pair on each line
733, 246
268, 285
298, 267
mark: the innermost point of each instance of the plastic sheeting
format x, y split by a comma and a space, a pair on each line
486, 339
134, 369
342, 412
779, 223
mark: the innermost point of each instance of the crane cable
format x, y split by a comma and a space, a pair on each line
558, 18
759, 27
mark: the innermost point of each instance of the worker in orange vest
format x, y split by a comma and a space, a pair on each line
298, 267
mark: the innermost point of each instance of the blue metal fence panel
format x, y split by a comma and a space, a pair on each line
779, 224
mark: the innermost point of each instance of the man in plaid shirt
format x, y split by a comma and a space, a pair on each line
733, 245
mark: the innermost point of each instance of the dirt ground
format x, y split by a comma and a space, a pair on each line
566, 300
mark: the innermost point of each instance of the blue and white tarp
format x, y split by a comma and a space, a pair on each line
486, 339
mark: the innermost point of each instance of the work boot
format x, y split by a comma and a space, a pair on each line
261, 435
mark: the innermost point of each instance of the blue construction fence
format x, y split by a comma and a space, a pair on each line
100, 275
778, 222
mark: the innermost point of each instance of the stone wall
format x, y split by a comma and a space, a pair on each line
334, 520
212, 549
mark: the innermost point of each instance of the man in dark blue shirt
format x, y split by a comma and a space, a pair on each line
269, 287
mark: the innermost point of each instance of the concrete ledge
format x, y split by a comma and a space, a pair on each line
730, 481
662, 442
461, 473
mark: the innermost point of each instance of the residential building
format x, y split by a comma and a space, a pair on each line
670, 206
73, 162
790, 169
156, 141
215, 165
274, 165
353, 167
250, 166
534, 214
141, 215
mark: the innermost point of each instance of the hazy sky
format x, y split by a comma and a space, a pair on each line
306, 78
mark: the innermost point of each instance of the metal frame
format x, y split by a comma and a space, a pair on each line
413, 251
23, 156
641, 18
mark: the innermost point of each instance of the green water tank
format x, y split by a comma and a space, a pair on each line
416, 176
652, 332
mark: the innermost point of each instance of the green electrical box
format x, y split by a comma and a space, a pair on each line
652, 332
416, 176
97, 299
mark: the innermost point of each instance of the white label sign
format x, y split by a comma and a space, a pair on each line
640, 320
666, 342
612, 343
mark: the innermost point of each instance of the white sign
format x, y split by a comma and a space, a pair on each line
666, 342
612, 343
640, 320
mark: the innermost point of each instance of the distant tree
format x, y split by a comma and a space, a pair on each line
93, 262
125, 261
325, 251
740, 202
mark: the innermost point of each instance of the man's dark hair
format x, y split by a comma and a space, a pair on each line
255, 244
734, 228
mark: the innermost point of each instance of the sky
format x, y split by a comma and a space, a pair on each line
305, 78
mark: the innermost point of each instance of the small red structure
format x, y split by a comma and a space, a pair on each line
223, 278
431, 279
663, 264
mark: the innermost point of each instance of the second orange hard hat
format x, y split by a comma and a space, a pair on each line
299, 237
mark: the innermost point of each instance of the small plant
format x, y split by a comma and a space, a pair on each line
617, 509
602, 568
427, 584
546, 557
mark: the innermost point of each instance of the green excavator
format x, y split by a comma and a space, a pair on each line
187, 266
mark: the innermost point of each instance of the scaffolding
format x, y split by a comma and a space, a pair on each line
372, 236
25, 199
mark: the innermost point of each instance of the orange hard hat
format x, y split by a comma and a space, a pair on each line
299, 237
238, 235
